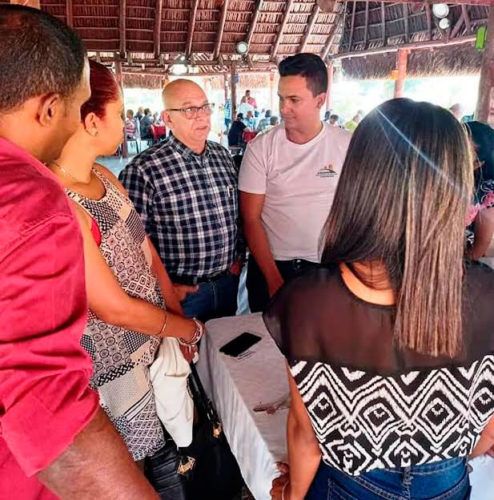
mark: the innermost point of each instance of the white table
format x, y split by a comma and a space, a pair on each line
237, 386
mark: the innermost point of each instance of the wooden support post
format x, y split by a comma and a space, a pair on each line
271, 92
233, 86
329, 91
119, 78
225, 86
401, 66
485, 104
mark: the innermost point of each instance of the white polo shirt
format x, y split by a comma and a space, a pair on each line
299, 182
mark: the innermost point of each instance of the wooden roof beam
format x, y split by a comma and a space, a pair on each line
405, 20
122, 27
410, 46
450, 2
466, 17
192, 25
428, 15
283, 24
366, 28
253, 23
310, 27
334, 30
157, 28
69, 13
383, 23
352, 27
217, 47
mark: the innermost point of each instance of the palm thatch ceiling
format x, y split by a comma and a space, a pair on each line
147, 36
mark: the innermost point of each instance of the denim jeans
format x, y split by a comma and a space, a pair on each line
446, 480
214, 299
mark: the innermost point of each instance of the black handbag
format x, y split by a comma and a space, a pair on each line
216, 473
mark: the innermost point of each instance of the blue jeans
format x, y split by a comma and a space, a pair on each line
446, 480
214, 299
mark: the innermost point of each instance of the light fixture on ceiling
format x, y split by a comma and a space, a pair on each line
180, 66
444, 23
440, 10
242, 48
178, 69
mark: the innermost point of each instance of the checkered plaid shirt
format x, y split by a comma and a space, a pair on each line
189, 206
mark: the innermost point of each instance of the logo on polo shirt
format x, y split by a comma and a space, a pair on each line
327, 171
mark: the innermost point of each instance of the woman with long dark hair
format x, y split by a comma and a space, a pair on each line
390, 344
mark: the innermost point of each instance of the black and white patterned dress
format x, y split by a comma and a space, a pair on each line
371, 405
121, 358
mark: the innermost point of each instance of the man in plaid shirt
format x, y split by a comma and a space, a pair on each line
185, 190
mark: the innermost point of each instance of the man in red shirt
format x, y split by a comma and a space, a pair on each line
54, 438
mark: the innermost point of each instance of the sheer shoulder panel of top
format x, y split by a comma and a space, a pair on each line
317, 318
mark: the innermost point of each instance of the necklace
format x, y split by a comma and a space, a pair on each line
66, 172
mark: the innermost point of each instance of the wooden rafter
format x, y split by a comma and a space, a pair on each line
192, 25
428, 15
217, 47
383, 22
352, 27
405, 20
366, 27
466, 16
69, 13
157, 28
281, 29
457, 26
123, 41
309, 28
253, 23
339, 18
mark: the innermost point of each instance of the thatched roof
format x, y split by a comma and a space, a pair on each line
409, 25
149, 35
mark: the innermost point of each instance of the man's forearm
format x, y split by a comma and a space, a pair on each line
257, 241
97, 465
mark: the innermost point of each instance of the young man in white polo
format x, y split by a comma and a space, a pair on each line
288, 179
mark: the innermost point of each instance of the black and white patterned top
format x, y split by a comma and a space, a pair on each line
189, 205
121, 358
373, 406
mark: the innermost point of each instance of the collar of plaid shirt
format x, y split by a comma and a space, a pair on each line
185, 151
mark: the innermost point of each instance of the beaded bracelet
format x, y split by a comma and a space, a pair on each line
199, 332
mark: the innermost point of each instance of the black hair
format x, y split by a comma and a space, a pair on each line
38, 55
147, 111
240, 116
311, 67
267, 114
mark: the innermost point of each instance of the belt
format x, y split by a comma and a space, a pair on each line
195, 280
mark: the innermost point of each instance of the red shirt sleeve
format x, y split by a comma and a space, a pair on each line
45, 400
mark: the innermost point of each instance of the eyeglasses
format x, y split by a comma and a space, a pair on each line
193, 111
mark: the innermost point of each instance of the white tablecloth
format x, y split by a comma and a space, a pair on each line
237, 386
